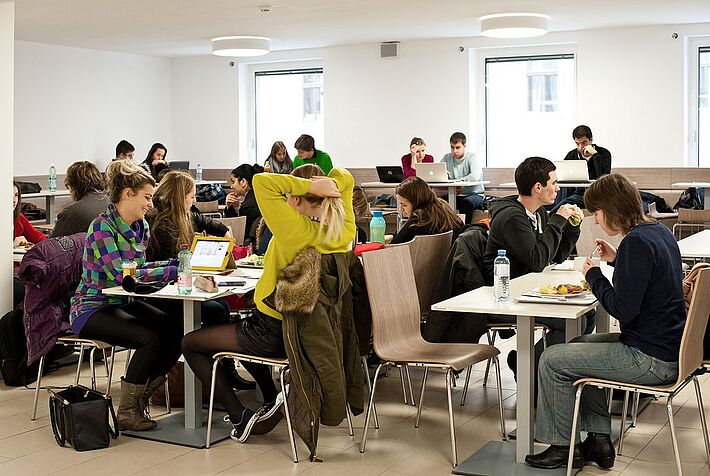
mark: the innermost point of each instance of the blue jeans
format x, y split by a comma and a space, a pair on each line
468, 203
595, 355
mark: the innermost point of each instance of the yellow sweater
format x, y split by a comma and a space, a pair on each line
292, 231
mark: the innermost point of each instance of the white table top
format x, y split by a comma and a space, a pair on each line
690, 184
212, 182
696, 245
458, 183
563, 184
47, 193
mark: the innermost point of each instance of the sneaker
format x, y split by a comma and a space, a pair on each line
268, 410
242, 429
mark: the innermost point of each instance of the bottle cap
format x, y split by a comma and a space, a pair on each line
184, 247
501, 252
377, 213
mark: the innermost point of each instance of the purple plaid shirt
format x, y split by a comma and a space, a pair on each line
110, 241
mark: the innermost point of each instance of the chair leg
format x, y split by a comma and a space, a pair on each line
38, 385
421, 397
573, 435
464, 392
92, 367
211, 406
635, 409
544, 338
167, 397
349, 415
674, 439
289, 425
370, 408
128, 360
622, 431
78, 364
610, 401
404, 390
452, 428
496, 362
703, 422
491, 341
409, 383
369, 390
110, 369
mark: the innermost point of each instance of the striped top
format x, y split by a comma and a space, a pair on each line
110, 241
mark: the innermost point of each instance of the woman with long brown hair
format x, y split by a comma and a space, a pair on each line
428, 214
278, 161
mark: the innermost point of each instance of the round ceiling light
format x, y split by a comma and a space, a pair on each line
241, 46
514, 25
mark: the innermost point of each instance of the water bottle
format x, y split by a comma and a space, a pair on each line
501, 277
377, 227
184, 280
52, 178
198, 173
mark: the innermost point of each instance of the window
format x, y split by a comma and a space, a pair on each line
703, 107
288, 103
529, 107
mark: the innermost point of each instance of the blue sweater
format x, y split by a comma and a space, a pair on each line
647, 295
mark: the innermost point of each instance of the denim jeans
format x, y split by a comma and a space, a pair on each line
599, 356
468, 203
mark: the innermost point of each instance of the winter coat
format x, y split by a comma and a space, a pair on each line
50, 271
320, 340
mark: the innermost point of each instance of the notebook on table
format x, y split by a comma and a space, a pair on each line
433, 173
389, 173
572, 171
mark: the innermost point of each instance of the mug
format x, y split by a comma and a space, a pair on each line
580, 260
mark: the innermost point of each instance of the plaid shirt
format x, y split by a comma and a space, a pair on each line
109, 241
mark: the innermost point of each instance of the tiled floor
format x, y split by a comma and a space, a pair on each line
397, 448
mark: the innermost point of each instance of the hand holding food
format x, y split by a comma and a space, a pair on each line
589, 151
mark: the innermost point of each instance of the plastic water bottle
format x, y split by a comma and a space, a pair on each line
184, 281
198, 173
501, 277
52, 178
377, 227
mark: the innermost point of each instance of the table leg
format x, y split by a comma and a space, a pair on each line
525, 416
573, 328
602, 320
48, 205
193, 386
452, 197
706, 201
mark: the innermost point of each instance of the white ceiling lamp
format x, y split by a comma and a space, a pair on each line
514, 25
241, 46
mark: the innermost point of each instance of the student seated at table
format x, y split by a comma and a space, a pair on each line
172, 224
428, 214
417, 155
155, 160
646, 296
531, 237
87, 187
288, 203
24, 233
465, 166
121, 233
361, 208
241, 201
308, 154
124, 150
278, 161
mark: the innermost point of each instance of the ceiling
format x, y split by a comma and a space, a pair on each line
174, 28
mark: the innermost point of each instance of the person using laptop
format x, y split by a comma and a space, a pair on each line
155, 160
462, 165
598, 163
124, 150
308, 154
417, 155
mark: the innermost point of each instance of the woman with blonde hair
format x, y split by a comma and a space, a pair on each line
117, 235
428, 214
287, 202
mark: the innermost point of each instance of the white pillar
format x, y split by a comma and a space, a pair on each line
7, 83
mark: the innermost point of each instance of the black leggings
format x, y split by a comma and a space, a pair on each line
155, 336
199, 347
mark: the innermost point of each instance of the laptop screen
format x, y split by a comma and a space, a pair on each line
572, 171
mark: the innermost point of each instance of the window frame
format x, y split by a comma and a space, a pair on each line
694, 47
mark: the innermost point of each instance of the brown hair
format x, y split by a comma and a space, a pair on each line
305, 142
170, 213
16, 211
416, 141
84, 178
332, 209
620, 201
361, 206
123, 174
432, 211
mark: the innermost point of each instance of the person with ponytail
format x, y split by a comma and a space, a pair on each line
300, 213
428, 214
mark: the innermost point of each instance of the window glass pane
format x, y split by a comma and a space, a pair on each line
529, 108
288, 104
703, 110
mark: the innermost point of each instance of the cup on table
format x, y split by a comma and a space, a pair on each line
580, 260
129, 268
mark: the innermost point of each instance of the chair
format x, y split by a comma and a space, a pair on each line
82, 344
210, 209
589, 231
397, 337
237, 227
690, 359
694, 220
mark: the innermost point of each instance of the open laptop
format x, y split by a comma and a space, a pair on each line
212, 253
180, 165
390, 174
433, 173
571, 171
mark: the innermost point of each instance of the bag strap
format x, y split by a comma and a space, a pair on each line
56, 413
114, 432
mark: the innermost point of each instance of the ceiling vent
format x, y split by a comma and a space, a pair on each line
389, 49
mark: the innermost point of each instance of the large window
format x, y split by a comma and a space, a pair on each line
288, 103
703, 107
529, 107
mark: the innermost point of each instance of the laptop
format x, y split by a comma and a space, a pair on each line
390, 174
433, 173
572, 171
212, 253
180, 165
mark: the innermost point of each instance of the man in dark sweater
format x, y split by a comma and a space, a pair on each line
598, 163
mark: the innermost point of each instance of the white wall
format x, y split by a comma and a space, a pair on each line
76, 104
7, 60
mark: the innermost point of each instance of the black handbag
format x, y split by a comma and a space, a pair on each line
80, 416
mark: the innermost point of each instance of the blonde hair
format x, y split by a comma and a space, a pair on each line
332, 210
170, 212
123, 174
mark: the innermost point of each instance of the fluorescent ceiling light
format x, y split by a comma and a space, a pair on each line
514, 25
240, 46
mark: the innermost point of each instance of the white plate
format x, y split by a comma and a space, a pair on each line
243, 263
536, 292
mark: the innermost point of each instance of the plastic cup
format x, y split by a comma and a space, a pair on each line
129, 268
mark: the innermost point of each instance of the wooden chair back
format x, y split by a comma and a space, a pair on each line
590, 231
690, 356
208, 207
237, 227
429, 254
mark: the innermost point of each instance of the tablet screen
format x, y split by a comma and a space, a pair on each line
209, 253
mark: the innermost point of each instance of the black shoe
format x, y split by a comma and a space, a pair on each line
266, 424
512, 360
555, 457
236, 381
242, 429
598, 448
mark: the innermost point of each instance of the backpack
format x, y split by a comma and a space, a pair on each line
13, 350
691, 198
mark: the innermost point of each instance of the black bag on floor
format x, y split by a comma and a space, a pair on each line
13, 350
80, 416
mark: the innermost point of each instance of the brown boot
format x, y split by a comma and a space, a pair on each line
131, 412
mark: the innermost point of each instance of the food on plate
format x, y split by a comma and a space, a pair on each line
253, 260
562, 289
